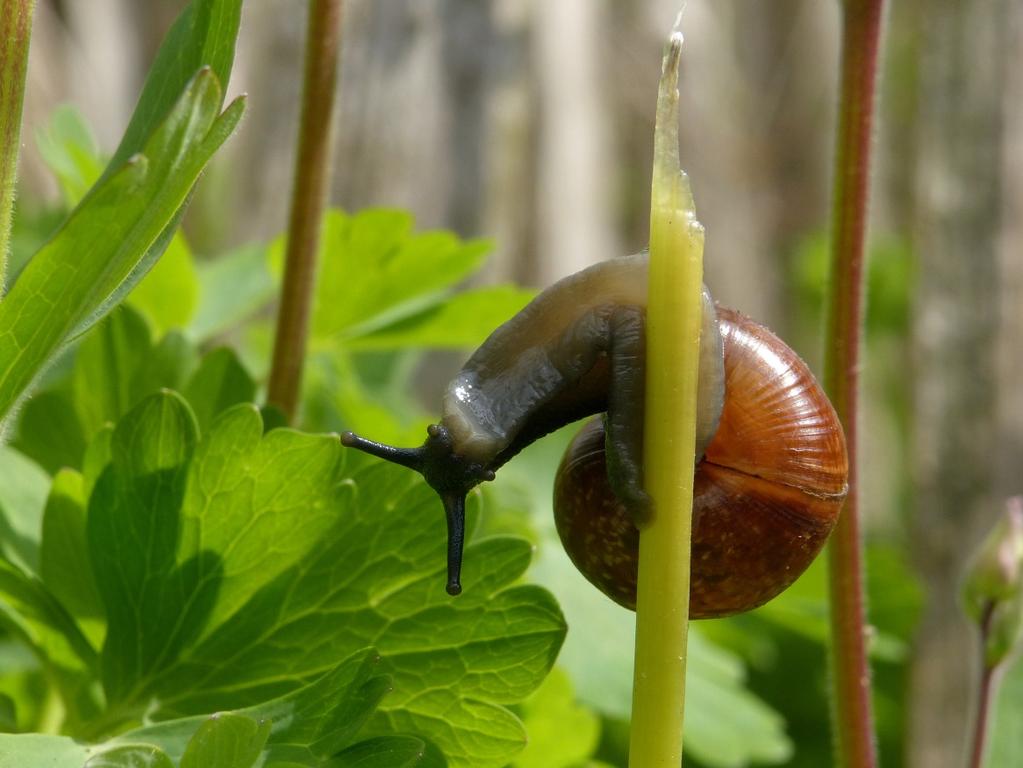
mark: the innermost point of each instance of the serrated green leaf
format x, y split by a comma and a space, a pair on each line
219, 383
169, 294
305, 725
463, 321
23, 489
226, 740
377, 579
384, 752
75, 277
181, 534
152, 601
235, 286
241, 565
263, 501
64, 566
339, 387
373, 269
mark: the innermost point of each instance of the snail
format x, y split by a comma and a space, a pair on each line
772, 467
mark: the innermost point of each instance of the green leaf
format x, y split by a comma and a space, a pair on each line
49, 431
167, 366
30, 612
369, 409
69, 149
178, 540
384, 752
132, 528
895, 595
562, 734
463, 321
97, 456
373, 269
8, 714
226, 741
219, 383
132, 756
169, 294
23, 489
302, 728
65, 566
1005, 740
36, 749
73, 279
239, 566
203, 36
116, 366
378, 579
234, 287
108, 360
306, 725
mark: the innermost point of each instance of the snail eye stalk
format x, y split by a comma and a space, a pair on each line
406, 457
454, 509
451, 476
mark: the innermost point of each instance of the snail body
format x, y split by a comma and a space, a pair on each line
767, 492
772, 447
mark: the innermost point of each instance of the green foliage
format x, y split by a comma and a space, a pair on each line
381, 286
114, 367
235, 286
307, 727
169, 294
384, 294
126, 220
214, 598
181, 584
22, 495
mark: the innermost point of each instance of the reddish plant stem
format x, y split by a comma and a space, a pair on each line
850, 672
308, 197
15, 35
989, 675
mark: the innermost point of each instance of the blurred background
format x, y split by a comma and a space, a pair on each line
529, 124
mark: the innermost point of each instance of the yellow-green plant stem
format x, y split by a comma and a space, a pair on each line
674, 312
15, 34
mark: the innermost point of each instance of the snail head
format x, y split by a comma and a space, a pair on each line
451, 475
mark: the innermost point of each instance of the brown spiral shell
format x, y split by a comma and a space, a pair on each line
767, 493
